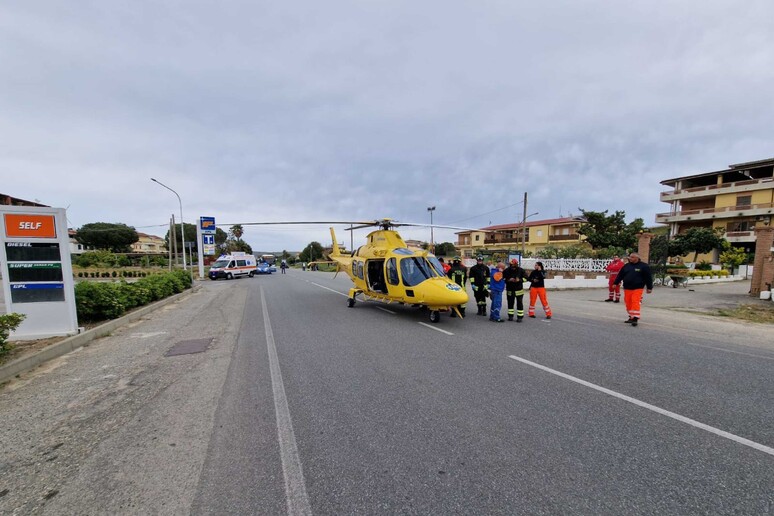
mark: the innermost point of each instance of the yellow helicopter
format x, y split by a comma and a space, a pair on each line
385, 269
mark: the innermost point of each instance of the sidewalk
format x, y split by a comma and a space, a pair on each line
697, 298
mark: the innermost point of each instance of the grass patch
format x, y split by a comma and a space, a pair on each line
754, 313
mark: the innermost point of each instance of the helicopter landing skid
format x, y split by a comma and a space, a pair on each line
353, 292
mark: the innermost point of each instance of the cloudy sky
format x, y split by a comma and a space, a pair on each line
350, 110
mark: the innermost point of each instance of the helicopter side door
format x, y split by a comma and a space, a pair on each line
375, 276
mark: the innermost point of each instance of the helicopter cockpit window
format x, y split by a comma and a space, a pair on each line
415, 270
354, 268
403, 250
436, 265
360, 270
392, 272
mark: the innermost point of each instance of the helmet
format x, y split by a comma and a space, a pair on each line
479, 258
456, 258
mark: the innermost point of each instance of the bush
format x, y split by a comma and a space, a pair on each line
704, 266
8, 323
100, 301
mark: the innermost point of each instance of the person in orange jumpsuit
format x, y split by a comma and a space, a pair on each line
537, 279
613, 288
635, 277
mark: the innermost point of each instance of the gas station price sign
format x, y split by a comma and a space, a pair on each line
32, 252
37, 277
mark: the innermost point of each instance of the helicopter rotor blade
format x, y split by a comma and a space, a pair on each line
298, 222
359, 224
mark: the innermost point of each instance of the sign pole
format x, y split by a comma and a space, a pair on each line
200, 247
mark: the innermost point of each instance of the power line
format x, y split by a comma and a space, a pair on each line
488, 213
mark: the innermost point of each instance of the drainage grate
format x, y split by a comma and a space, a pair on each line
188, 347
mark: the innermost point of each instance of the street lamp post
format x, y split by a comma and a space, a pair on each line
431, 209
182, 228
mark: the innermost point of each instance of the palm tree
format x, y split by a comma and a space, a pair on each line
237, 231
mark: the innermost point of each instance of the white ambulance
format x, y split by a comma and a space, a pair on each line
233, 265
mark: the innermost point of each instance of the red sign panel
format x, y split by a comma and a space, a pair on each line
29, 225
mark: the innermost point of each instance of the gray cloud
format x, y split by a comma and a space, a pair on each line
264, 111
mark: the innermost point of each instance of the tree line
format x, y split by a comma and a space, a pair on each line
118, 238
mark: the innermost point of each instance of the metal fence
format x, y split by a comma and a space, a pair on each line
567, 264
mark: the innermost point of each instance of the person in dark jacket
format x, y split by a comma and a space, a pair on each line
458, 273
479, 281
514, 289
635, 277
537, 288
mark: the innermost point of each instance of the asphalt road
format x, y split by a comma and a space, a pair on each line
302, 405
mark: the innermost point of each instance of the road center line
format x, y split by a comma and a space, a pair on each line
436, 329
295, 487
385, 310
659, 410
326, 288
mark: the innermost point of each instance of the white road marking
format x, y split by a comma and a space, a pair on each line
295, 486
436, 329
659, 410
326, 288
385, 310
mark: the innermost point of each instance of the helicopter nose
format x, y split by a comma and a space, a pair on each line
446, 293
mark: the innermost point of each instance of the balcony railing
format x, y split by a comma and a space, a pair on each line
740, 236
554, 238
708, 212
715, 189
513, 240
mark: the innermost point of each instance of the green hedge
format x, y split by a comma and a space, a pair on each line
699, 274
100, 301
8, 323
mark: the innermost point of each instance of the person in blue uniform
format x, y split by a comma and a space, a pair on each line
496, 287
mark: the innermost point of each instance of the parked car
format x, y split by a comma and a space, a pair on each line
264, 268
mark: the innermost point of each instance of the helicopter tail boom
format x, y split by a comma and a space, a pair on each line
335, 248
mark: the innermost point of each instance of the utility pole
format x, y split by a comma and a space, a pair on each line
524, 228
431, 209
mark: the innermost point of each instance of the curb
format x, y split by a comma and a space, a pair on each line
24, 364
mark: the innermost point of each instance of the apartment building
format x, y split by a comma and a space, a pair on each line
149, 244
737, 200
505, 238
9, 200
